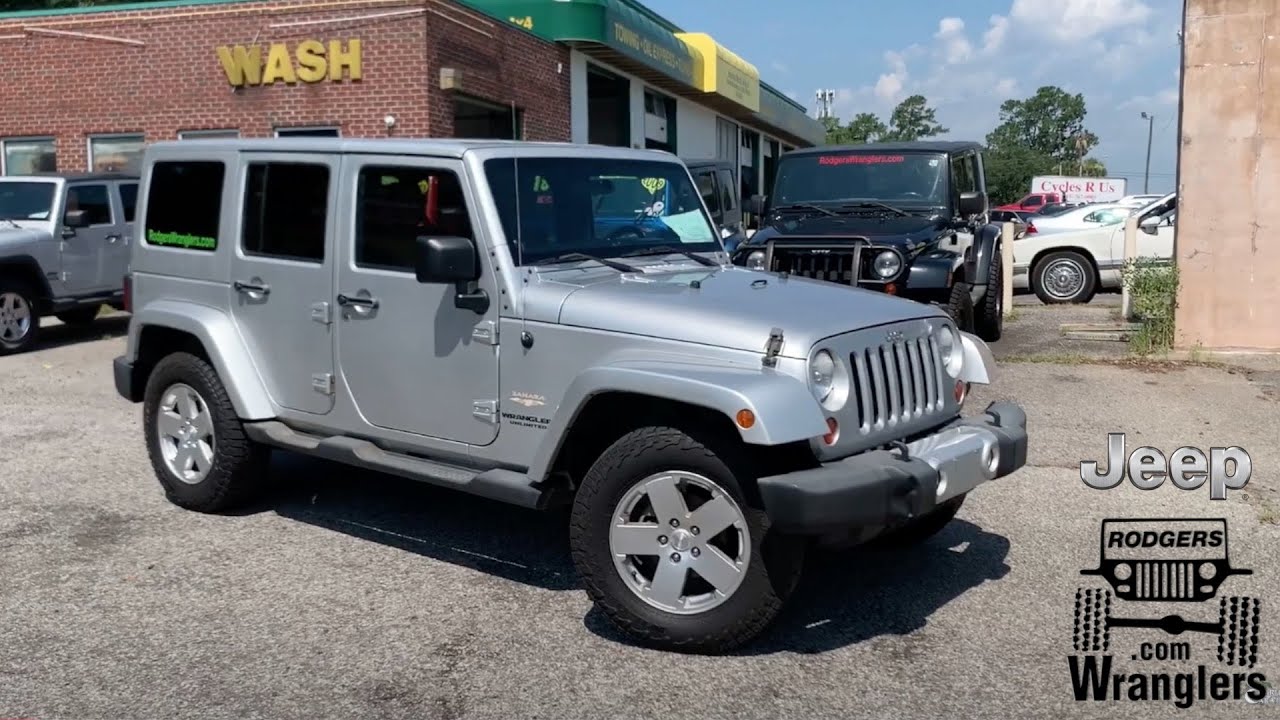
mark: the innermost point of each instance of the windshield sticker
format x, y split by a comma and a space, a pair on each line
545, 199
653, 185
180, 240
933, 163
860, 159
655, 209
540, 184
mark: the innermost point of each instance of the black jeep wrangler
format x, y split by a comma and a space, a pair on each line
910, 219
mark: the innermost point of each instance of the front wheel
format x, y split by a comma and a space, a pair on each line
990, 316
670, 549
960, 307
19, 317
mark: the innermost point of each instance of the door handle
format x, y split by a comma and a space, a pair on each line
251, 289
113, 238
364, 304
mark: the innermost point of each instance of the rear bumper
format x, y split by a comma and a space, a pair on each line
881, 488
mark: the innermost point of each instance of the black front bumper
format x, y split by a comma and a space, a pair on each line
122, 369
879, 488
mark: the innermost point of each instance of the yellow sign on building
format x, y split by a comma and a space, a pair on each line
310, 62
722, 72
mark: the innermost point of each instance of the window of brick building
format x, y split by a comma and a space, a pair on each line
25, 156
207, 134
307, 132
478, 119
116, 153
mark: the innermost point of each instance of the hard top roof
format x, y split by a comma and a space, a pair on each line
71, 176
937, 146
438, 147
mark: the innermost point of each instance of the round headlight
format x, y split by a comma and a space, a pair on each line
949, 350
829, 380
755, 260
887, 264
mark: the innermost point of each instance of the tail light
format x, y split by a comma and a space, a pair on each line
128, 293
1031, 229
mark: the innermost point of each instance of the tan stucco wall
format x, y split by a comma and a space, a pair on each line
1228, 225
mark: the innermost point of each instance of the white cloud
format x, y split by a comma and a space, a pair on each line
1073, 21
889, 87
954, 42
1164, 98
993, 39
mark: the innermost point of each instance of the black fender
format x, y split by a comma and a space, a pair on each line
986, 244
932, 269
26, 267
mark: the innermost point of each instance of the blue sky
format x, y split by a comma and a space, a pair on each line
967, 57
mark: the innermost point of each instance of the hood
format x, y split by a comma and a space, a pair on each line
884, 229
728, 307
11, 236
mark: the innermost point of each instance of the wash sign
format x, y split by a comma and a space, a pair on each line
310, 61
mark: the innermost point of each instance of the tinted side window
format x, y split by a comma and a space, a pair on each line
184, 204
706, 180
962, 179
128, 199
285, 206
726, 190
395, 205
93, 199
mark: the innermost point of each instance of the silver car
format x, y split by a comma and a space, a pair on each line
546, 325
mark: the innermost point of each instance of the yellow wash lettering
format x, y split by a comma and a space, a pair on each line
311, 63
348, 58
242, 65
279, 65
653, 185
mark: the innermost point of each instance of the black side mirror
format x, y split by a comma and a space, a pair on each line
972, 203
1149, 229
452, 260
76, 218
758, 205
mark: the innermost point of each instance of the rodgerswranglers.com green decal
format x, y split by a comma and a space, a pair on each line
181, 240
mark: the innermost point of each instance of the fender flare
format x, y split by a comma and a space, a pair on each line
933, 269
784, 408
222, 343
28, 265
986, 245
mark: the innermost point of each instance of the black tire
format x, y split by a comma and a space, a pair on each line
773, 568
990, 316
1071, 262
1090, 633
1238, 640
238, 471
914, 532
13, 341
960, 306
80, 316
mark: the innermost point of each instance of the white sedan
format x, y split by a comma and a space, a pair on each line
1069, 267
1084, 217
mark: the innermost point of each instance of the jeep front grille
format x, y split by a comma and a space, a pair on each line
897, 382
1164, 580
833, 265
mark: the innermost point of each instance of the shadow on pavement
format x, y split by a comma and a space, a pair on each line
450, 526
52, 336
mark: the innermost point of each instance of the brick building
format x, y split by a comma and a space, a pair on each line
87, 88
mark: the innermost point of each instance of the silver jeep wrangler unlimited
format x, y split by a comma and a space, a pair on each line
546, 325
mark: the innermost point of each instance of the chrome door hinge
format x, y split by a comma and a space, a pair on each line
772, 347
322, 383
320, 313
486, 332
486, 410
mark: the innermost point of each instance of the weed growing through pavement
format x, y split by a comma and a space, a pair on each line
1153, 294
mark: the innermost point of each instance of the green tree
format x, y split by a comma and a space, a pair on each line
913, 119
1093, 167
1050, 123
1009, 170
863, 128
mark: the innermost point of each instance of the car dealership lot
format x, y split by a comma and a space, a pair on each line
354, 595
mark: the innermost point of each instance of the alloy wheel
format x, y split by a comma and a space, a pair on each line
185, 433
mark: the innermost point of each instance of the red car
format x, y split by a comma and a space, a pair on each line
1033, 202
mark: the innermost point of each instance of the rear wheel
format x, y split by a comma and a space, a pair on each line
1063, 277
990, 316
960, 307
19, 317
670, 548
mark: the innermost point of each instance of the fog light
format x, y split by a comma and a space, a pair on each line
891, 288
833, 432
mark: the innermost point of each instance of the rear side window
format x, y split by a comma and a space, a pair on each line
726, 190
93, 199
285, 206
707, 188
129, 200
184, 204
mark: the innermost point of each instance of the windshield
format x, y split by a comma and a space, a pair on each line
598, 206
846, 177
26, 200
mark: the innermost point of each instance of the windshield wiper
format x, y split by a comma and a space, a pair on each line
882, 206
669, 250
11, 222
806, 206
577, 256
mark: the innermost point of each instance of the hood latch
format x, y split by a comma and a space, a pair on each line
772, 347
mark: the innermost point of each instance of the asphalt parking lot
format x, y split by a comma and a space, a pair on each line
348, 594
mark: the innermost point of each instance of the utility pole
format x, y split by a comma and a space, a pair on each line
825, 99
1146, 176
